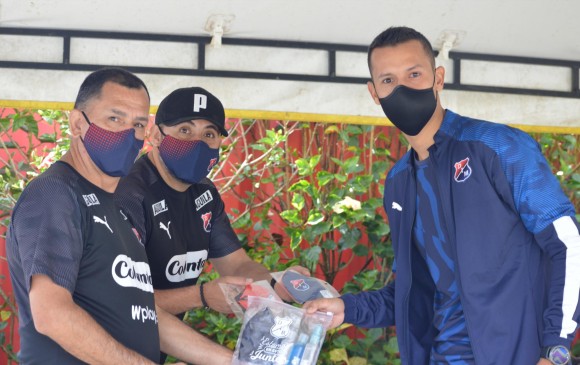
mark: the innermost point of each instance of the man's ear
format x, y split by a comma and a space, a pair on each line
154, 135
373, 92
439, 78
76, 121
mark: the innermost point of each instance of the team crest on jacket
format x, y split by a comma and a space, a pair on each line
206, 217
462, 170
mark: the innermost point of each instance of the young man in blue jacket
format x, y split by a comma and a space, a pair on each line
487, 246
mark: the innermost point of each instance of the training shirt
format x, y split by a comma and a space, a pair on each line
180, 230
72, 231
451, 345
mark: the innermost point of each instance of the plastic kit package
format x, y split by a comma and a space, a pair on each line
303, 288
275, 333
237, 295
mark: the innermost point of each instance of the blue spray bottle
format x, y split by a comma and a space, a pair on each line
311, 350
297, 350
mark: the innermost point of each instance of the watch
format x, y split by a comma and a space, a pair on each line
558, 355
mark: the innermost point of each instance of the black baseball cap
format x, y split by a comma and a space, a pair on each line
191, 103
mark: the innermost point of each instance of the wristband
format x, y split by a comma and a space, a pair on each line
202, 297
273, 283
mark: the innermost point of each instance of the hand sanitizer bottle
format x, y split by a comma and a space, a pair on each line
309, 357
297, 350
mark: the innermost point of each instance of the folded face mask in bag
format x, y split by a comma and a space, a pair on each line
303, 288
274, 333
268, 332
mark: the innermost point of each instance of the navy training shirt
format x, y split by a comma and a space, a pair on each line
180, 230
72, 231
452, 344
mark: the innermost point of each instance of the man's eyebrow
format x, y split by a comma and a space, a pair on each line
119, 112
414, 67
212, 126
407, 69
123, 114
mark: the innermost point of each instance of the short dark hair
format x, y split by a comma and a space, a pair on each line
91, 87
396, 35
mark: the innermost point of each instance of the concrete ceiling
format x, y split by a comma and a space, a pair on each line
529, 28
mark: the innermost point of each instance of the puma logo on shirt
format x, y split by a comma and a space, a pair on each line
99, 220
165, 228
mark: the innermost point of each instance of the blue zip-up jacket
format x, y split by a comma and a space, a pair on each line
515, 242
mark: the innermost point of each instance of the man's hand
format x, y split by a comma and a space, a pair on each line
300, 270
281, 290
333, 305
214, 296
544, 362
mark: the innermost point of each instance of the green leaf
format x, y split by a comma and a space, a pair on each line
5, 123
331, 129
292, 216
314, 160
352, 165
341, 341
338, 220
392, 346
295, 239
349, 239
361, 183
312, 254
47, 138
18, 123
329, 245
353, 129
32, 126
341, 177
320, 228
324, 177
301, 185
360, 250
303, 166
338, 356
298, 201
243, 221
314, 217
5, 315
259, 147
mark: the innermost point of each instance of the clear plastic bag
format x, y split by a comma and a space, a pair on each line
237, 295
303, 288
275, 333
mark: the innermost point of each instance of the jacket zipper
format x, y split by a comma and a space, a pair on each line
453, 241
410, 266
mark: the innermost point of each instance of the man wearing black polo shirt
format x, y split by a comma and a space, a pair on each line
79, 270
178, 211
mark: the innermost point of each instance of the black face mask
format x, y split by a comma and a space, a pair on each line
409, 109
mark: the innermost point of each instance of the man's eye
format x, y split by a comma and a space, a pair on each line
139, 125
114, 119
415, 74
387, 81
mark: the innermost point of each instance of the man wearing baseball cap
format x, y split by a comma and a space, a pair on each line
178, 211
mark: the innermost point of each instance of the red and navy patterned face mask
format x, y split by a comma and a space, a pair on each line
113, 152
189, 161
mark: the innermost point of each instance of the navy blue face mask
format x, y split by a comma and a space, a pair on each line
189, 161
409, 109
113, 152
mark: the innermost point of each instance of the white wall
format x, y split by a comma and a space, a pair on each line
275, 95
